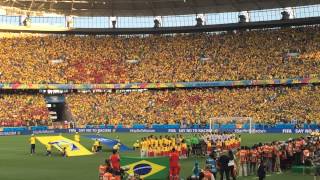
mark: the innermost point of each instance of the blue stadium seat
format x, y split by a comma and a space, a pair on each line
156, 126
228, 126
89, 126
246, 126
39, 128
195, 126
139, 126
216, 126
173, 126
14, 129
311, 126
284, 126
110, 126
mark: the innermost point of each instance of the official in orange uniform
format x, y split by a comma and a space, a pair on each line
254, 156
243, 157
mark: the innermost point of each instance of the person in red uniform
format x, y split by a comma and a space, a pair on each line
174, 165
115, 162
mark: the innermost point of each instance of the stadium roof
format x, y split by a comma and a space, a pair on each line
148, 7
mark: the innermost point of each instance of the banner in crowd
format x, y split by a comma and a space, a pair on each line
161, 85
133, 130
160, 130
109, 142
147, 168
72, 148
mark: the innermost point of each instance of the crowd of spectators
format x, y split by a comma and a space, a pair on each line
22, 109
263, 104
263, 54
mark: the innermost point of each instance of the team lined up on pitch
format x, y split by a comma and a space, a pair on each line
198, 144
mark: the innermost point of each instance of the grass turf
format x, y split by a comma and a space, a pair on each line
17, 164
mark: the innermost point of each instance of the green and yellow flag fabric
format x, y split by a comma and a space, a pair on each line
147, 168
72, 148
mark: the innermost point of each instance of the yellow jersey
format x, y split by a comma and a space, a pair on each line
158, 150
49, 147
148, 142
116, 147
163, 141
157, 142
153, 142
233, 141
209, 144
96, 143
136, 145
77, 138
173, 142
32, 140
144, 145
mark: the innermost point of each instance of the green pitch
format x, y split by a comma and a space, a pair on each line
17, 164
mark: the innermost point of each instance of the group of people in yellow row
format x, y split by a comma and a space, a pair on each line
195, 145
160, 58
220, 141
189, 106
161, 146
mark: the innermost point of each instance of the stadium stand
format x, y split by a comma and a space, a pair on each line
179, 58
22, 110
263, 54
264, 104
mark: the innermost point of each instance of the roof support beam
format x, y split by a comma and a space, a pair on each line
31, 4
148, 7
256, 4
152, 9
234, 4
194, 4
71, 9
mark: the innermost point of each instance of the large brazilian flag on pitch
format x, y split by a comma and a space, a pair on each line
72, 148
147, 168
